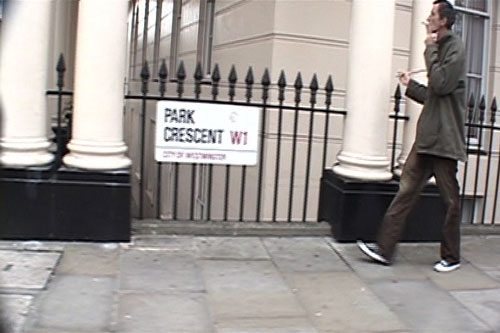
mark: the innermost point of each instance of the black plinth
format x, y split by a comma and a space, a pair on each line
67, 204
355, 209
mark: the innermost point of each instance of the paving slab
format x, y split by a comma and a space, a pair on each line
75, 303
90, 259
467, 277
26, 269
495, 274
426, 308
151, 313
159, 271
266, 325
483, 251
301, 254
14, 310
485, 304
369, 270
341, 302
231, 248
248, 289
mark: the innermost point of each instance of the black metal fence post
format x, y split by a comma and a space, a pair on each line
248, 95
313, 87
281, 98
298, 88
397, 101
145, 81
482, 107
265, 95
61, 69
215, 92
328, 102
470, 115
490, 147
162, 74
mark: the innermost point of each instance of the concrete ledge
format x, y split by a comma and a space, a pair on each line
211, 228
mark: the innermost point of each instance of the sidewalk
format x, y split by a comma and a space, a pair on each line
245, 284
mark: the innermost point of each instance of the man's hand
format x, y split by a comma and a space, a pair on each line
432, 37
404, 77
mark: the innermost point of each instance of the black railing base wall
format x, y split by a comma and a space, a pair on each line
354, 209
68, 204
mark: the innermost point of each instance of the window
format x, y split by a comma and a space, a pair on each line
205, 35
472, 24
176, 28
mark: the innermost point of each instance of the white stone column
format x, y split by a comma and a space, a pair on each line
364, 152
24, 58
421, 10
97, 134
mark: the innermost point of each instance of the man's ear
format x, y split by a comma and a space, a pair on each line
443, 22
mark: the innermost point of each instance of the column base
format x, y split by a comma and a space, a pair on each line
355, 209
362, 168
86, 156
25, 152
68, 204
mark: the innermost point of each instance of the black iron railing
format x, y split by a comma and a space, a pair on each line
480, 174
239, 173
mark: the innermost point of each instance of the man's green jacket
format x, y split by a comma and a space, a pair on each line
440, 128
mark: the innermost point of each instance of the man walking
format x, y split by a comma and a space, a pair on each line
439, 142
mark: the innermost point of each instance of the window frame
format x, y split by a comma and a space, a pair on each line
484, 76
206, 36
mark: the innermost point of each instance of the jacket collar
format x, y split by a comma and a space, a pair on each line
447, 35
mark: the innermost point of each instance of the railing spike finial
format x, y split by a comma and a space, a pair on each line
298, 87
215, 81
281, 86
198, 73
265, 78
493, 109
145, 71
181, 76
482, 107
162, 74
397, 93
216, 74
60, 68
249, 83
145, 77
282, 80
266, 81
198, 76
249, 77
328, 90
314, 83
181, 72
313, 86
472, 101
232, 82
233, 77
329, 85
298, 82
471, 106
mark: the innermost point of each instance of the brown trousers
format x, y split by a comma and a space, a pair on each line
416, 172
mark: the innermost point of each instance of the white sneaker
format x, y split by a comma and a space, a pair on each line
373, 252
444, 266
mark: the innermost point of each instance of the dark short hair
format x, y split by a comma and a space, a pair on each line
446, 11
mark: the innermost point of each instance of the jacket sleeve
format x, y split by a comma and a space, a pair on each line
416, 91
445, 75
